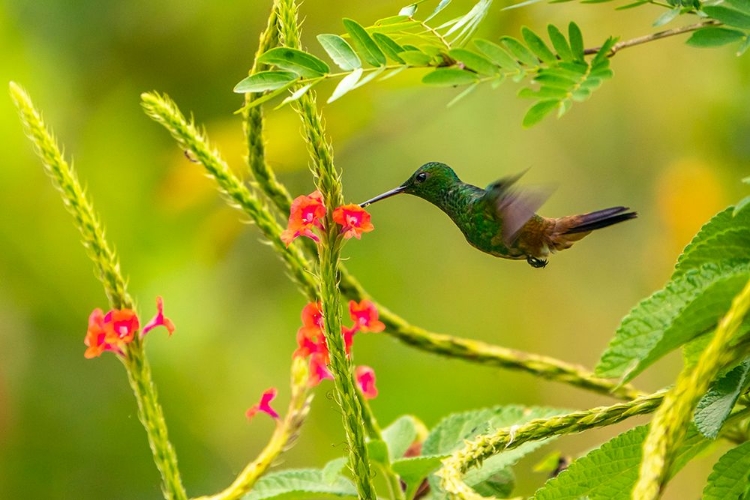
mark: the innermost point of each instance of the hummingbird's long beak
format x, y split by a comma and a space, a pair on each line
383, 196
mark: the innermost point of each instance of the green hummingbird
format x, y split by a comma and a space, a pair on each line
501, 219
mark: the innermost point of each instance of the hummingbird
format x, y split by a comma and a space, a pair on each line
501, 220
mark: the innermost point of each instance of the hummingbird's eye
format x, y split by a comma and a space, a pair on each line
421, 177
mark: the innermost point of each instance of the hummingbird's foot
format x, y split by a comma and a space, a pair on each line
536, 263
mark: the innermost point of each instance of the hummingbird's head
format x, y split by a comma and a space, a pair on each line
428, 182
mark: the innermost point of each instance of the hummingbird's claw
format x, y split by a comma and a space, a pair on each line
536, 263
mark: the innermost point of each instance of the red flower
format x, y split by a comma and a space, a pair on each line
365, 317
264, 405
310, 337
319, 369
348, 334
305, 215
159, 319
109, 332
353, 219
366, 381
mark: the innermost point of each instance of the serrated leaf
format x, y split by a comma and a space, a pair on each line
497, 54
537, 46
365, 45
610, 471
538, 111
415, 57
389, 47
265, 80
451, 432
713, 37
560, 43
412, 471
724, 237
340, 51
666, 17
729, 479
474, 61
715, 406
728, 16
741, 205
520, 51
576, 41
449, 77
302, 63
399, 436
346, 84
686, 307
300, 484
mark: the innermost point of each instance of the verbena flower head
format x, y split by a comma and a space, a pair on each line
365, 377
365, 316
264, 405
305, 214
114, 330
353, 219
109, 332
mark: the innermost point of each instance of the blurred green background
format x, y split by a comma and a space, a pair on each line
667, 136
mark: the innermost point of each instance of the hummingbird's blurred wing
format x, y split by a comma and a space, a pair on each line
513, 206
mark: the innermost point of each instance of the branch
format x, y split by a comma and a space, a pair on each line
653, 37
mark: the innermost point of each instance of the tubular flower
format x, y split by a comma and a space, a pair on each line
365, 317
159, 319
365, 377
319, 369
109, 332
353, 219
310, 337
348, 334
264, 405
305, 215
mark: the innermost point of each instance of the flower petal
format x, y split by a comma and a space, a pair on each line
264, 405
159, 319
365, 377
353, 219
365, 316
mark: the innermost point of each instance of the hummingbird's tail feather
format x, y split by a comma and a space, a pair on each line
599, 219
565, 231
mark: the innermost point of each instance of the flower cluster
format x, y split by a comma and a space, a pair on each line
114, 330
307, 213
311, 343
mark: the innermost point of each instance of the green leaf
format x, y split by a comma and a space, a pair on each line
300, 484
520, 51
389, 47
265, 80
346, 84
741, 5
333, 469
474, 61
728, 16
497, 54
297, 94
499, 485
729, 479
576, 41
468, 90
378, 451
538, 111
724, 238
449, 77
302, 63
413, 470
741, 205
555, 79
666, 17
443, 4
715, 406
610, 471
560, 43
543, 93
688, 306
365, 45
451, 433
267, 97
340, 51
400, 435
537, 46
467, 24
408, 11
415, 58
713, 37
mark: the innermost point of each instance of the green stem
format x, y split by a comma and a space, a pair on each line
485, 446
671, 421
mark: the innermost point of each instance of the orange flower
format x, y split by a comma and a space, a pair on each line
365, 377
110, 332
310, 337
264, 405
159, 319
365, 316
319, 369
353, 219
305, 215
